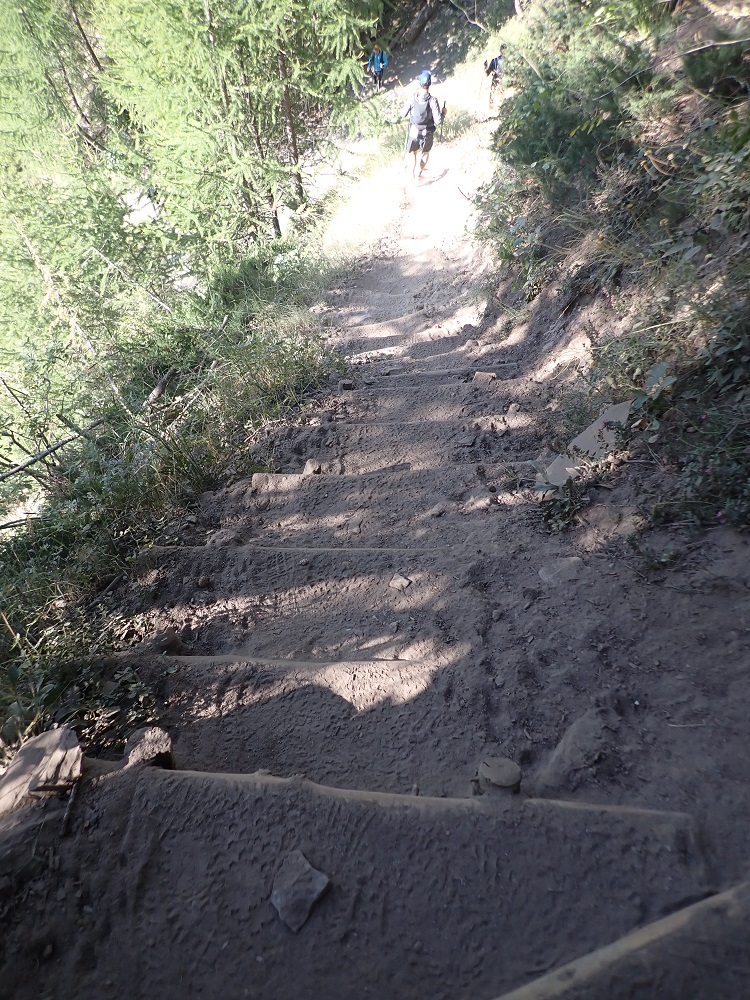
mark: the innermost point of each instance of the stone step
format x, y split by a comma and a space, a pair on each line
404, 339
380, 724
698, 952
327, 602
406, 509
432, 897
400, 374
457, 400
358, 448
342, 602
410, 349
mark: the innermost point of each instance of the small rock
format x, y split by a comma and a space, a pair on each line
312, 467
500, 772
399, 582
563, 570
438, 510
152, 746
204, 582
345, 384
514, 408
479, 503
191, 519
497, 614
296, 889
484, 378
583, 745
224, 536
168, 641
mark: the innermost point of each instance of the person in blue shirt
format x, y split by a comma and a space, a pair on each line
376, 64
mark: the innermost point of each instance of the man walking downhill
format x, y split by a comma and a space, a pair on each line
376, 65
424, 114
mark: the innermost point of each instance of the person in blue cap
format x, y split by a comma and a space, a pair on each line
424, 114
376, 65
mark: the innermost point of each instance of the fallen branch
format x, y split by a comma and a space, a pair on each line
716, 45
158, 391
48, 451
474, 23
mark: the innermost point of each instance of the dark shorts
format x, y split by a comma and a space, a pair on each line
420, 139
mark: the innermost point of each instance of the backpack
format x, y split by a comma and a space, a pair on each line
421, 112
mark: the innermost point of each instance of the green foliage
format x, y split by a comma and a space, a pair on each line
725, 313
561, 505
57, 681
718, 69
146, 149
569, 67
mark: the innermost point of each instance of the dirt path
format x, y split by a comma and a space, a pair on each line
361, 629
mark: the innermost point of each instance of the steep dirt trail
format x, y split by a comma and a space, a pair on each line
361, 629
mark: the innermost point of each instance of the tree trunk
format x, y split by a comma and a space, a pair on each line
84, 36
291, 132
252, 118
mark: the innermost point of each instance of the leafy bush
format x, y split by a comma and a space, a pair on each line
569, 67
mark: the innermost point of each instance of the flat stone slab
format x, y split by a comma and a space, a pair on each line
598, 440
561, 470
439, 898
296, 889
600, 437
50, 762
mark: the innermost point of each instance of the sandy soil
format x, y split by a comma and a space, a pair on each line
372, 621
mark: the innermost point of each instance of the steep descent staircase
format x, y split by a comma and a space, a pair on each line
345, 633
350, 629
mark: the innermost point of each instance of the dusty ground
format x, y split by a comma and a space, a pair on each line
620, 689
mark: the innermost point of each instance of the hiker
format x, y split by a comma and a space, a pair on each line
494, 68
424, 114
376, 64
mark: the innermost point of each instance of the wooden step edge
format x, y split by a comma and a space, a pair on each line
161, 551
459, 470
577, 980
242, 656
479, 803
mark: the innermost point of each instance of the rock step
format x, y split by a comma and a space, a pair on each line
357, 448
454, 401
329, 602
318, 603
402, 375
410, 349
378, 724
362, 329
394, 339
698, 952
398, 509
435, 898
